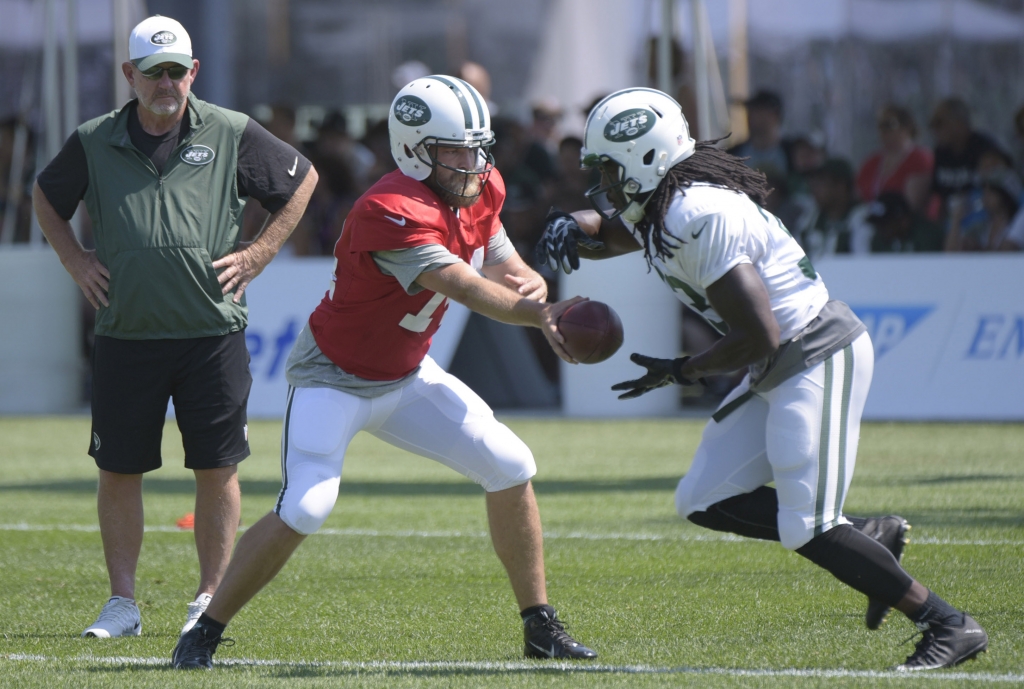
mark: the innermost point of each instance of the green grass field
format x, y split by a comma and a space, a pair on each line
402, 588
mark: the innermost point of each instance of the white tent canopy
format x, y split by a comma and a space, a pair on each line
878, 20
591, 47
22, 26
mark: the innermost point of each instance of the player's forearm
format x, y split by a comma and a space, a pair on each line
499, 303
282, 223
461, 283
57, 230
616, 238
731, 353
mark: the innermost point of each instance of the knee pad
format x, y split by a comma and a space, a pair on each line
307, 496
793, 530
684, 498
511, 461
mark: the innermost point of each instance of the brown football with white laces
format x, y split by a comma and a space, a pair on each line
592, 331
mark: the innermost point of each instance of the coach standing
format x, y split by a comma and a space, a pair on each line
164, 180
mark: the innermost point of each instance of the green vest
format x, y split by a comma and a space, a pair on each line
158, 235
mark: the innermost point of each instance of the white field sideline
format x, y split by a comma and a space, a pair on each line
552, 535
538, 667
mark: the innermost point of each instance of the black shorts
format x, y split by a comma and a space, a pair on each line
208, 379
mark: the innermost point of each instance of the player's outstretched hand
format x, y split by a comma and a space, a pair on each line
660, 372
92, 276
550, 314
557, 247
240, 268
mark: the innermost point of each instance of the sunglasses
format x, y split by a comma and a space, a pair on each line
175, 73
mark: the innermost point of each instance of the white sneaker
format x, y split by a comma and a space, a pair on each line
119, 617
195, 609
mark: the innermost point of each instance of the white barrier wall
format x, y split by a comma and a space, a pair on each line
650, 316
41, 362
948, 333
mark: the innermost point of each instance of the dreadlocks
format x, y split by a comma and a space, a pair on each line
710, 165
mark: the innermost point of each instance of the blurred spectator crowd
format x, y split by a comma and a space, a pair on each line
962, 193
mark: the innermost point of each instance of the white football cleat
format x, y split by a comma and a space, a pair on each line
119, 617
195, 609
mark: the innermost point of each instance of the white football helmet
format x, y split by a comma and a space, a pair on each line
439, 110
634, 137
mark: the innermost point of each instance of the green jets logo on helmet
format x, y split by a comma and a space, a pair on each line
629, 125
412, 111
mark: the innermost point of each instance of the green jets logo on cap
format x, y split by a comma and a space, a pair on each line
163, 38
198, 155
629, 125
412, 111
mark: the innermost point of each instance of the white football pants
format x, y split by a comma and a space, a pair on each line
802, 435
436, 416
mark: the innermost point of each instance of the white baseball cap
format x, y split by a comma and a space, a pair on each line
157, 40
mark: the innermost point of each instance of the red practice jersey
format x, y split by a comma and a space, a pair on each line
367, 323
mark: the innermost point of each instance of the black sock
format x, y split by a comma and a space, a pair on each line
857, 522
860, 562
211, 623
530, 612
936, 611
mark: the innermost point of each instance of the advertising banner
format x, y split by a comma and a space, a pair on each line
948, 333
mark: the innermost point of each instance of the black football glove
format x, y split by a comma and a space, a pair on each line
557, 246
660, 372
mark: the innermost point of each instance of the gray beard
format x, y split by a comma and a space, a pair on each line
164, 110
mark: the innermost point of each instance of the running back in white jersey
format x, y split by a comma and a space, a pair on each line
718, 229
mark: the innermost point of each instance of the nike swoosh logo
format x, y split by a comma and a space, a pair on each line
698, 232
550, 654
397, 221
295, 166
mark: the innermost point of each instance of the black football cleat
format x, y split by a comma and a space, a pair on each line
946, 646
545, 637
196, 647
891, 532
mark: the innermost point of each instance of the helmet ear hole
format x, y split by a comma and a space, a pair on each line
408, 153
649, 157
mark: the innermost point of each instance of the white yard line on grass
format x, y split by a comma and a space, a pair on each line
552, 535
542, 666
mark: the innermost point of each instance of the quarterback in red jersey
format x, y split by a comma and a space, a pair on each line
422, 235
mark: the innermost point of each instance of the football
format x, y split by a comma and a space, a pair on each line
592, 331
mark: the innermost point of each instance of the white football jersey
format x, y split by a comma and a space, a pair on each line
716, 230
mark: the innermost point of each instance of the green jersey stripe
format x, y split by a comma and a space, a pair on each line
844, 419
823, 448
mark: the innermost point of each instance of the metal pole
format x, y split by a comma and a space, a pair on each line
51, 100
218, 52
71, 86
122, 90
665, 47
739, 70
700, 66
